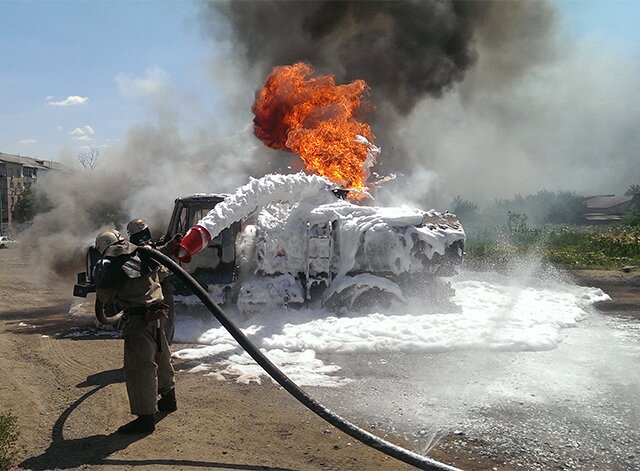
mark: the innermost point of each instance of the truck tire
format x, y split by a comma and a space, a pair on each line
357, 300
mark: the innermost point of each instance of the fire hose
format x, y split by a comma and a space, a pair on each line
395, 451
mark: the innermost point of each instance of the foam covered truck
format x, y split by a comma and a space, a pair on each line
292, 240
296, 239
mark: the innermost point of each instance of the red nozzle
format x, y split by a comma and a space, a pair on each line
196, 239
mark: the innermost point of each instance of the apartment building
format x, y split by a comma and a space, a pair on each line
18, 173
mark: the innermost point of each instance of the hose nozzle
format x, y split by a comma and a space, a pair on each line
196, 239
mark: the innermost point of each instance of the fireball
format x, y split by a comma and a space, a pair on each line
309, 115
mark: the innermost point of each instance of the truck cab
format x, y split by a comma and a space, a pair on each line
215, 267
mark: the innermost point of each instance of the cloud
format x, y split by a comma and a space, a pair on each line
84, 130
70, 101
153, 84
82, 134
28, 141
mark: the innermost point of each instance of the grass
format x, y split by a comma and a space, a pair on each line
571, 247
8, 437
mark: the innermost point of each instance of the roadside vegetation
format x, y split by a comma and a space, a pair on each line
8, 438
547, 225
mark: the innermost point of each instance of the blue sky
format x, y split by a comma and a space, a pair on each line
615, 21
53, 50
104, 53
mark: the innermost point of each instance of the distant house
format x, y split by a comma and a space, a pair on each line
18, 173
608, 209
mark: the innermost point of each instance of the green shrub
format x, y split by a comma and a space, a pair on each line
467, 211
633, 220
8, 438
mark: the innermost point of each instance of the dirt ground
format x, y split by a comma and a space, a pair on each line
69, 397
622, 286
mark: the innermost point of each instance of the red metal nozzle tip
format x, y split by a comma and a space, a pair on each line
193, 242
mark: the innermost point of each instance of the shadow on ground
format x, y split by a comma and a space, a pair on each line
96, 449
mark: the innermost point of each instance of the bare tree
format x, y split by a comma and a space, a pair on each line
90, 158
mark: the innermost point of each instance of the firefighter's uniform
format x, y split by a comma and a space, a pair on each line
132, 282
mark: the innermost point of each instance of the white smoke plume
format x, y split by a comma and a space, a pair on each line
570, 124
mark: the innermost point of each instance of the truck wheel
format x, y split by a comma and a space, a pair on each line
358, 299
106, 316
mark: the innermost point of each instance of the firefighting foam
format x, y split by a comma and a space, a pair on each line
491, 312
495, 315
311, 116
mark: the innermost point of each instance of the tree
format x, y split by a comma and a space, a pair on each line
90, 158
466, 210
25, 207
30, 203
632, 190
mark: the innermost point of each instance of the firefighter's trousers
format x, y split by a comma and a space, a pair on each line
147, 364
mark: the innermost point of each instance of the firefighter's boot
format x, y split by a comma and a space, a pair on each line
143, 424
167, 402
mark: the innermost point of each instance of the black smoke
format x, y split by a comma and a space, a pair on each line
406, 51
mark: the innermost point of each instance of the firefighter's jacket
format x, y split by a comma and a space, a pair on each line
131, 281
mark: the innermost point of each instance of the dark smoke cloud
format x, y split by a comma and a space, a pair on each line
404, 50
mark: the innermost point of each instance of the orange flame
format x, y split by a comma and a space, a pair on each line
316, 119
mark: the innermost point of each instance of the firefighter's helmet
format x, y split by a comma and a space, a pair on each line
135, 226
138, 231
106, 239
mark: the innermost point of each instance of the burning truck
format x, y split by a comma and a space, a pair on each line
289, 240
304, 237
293, 240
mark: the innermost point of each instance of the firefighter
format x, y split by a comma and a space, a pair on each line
139, 234
131, 280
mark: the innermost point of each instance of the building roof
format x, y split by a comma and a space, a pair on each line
31, 162
606, 201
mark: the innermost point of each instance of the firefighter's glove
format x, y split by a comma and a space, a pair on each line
171, 247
